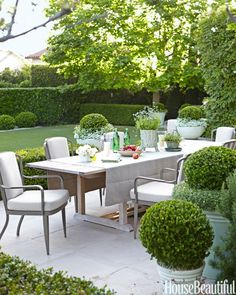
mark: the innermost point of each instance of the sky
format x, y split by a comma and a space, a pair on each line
27, 17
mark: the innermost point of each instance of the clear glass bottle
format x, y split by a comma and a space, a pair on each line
116, 141
126, 137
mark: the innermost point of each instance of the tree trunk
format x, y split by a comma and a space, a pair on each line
156, 97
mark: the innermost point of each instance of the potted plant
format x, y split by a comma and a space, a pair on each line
148, 123
178, 235
161, 111
86, 153
205, 171
172, 140
190, 122
91, 129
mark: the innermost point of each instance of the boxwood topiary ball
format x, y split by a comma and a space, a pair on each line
177, 233
209, 167
26, 119
7, 122
93, 121
191, 113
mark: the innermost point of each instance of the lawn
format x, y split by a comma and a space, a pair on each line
13, 140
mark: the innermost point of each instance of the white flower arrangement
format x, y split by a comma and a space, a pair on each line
86, 151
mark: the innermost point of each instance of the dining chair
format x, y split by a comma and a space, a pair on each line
230, 144
58, 147
20, 199
171, 125
155, 190
222, 134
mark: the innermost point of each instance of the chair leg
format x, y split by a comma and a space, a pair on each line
46, 232
63, 214
135, 219
5, 226
76, 204
19, 225
100, 194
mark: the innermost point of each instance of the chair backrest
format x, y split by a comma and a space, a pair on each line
231, 144
56, 147
10, 174
171, 125
108, 137
224, 133
179, 170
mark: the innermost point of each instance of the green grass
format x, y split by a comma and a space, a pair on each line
13, 140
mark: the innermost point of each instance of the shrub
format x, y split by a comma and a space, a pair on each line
7, 122
209, 167
26, 119
191, 113
184, 105
159, 107
20, 277
116, 114
177, 233
172, 137
207, 200
93, 122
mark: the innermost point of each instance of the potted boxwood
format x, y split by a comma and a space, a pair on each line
147, 122
178, 235
172, 140
205, 171
190, 122
91, 129
161, 111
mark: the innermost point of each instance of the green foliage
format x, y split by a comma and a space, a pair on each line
159, 107
7, 122
172, 137
209, 167
177, 233
115, 46
208, 200
184, 105
145, 123
191, 113
217, 43
15, 78
93, 122
26, 119
22, 277
29, 156
226, 253
116, 114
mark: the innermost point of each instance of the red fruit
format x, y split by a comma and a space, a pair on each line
135, 156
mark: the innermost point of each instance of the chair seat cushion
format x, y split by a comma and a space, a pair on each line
153, 191
31, 200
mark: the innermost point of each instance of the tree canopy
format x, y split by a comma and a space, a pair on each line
112, 44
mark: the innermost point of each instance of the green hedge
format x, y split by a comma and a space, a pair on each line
21, 277
117, 114
51, 105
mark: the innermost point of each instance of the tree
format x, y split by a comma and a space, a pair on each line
63, 8
136, 45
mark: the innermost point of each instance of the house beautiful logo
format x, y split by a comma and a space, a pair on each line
219, 288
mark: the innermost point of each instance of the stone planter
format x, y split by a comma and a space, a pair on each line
93, 142
148, 138
175, 280
191, 132
220, 228
172, 144
161, 116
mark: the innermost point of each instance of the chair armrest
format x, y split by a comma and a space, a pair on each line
147, 178
46, 176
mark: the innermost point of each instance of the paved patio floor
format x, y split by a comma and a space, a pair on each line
103, 255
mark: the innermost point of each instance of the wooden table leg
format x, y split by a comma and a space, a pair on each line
81, 194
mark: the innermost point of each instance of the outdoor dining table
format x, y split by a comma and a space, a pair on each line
116, 177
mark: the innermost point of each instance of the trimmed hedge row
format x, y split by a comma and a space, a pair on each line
117, 114
22, 277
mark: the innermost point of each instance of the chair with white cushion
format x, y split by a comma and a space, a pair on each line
58, 147
155, 190
20, 199
231, 144
222, 134
171, 125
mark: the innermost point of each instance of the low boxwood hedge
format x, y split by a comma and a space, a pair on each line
116, 114
26, 119
22, 278
7, 122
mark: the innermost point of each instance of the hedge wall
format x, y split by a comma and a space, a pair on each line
117, 114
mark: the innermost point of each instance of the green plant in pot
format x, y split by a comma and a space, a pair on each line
178, 235
172, 140
191, 122
148, 123
205, 172
161, 111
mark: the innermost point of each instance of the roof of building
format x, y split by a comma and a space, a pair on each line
36, 55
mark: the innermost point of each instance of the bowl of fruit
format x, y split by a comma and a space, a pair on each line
130, 151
